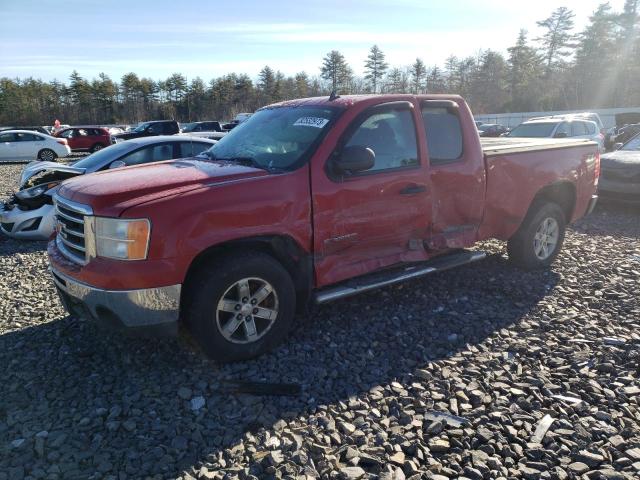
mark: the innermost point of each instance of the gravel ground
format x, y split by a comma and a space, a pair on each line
484, 372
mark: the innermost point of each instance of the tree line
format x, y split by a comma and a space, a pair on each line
598, 67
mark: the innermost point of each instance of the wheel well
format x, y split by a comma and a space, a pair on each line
562, 193
283, 248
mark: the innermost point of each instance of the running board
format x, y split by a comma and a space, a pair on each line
393, 276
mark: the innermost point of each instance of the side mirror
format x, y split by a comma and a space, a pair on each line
117, 164
618, 145
356, 158
561, 135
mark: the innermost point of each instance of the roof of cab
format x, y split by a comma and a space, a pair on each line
346, 101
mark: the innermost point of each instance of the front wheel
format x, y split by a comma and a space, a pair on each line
539, 239
96, 147
242, 306
47, 155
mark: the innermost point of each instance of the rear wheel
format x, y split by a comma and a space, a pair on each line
96, 147
243, 306
47, 155
539, 239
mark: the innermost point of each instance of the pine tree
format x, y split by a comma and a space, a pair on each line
267, 83
436, 81
418, 74
594, 58
336, 70
557, 40
375, 67
524, 75
393, 81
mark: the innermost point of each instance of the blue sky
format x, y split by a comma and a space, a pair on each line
49, 39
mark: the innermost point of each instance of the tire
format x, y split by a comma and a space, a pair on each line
545, 224
47, 155
96, 147
214, 309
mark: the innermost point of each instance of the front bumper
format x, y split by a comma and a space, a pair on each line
154, 310
36, 224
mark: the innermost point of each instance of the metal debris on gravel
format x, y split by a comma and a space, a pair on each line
485, 372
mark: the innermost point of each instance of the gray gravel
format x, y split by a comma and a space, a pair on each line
484, 372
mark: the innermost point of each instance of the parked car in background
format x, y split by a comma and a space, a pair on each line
86, 139
620, 173
478, 123
28, 214
592, 117
492, 130
626, 133
558, 128
31, 129
29, 145
240, 118
210, 130
148, 129
312, 200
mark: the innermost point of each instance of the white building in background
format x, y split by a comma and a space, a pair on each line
610, 116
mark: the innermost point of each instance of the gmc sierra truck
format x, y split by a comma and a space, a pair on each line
309, 201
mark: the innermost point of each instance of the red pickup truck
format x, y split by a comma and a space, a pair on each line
309, 201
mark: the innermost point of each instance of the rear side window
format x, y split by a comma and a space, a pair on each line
391, 134
154, 153
191, 149
7, 137
563, 130
577, 129
27, 137
444, 134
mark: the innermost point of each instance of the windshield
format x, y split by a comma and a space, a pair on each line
98, 159
535, 130
141, 127
632, 145
275, 138
189, 127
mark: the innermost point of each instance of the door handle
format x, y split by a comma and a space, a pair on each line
413, 189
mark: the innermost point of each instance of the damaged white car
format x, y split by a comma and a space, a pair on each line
28, 213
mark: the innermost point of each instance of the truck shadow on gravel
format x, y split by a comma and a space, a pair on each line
10, 247
114, 404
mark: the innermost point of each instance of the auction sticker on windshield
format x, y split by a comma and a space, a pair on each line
317, 122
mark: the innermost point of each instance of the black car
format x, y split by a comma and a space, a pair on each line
33, 129
492, 130
626, 133
620, 173
202, 127
148, 129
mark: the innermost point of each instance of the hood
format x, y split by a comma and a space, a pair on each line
127, 135
620, 159
111, 192
36, 167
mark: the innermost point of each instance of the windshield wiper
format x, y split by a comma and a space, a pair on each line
248, 161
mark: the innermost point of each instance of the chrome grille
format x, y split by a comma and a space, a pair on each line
70, 220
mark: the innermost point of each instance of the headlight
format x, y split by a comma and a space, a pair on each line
122, 239
34, 192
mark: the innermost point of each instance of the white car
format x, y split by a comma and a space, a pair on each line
27, 145
559, 128
29, 215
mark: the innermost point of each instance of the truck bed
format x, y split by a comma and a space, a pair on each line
506, 145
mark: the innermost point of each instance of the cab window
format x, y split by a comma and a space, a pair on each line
391, 134
444, 134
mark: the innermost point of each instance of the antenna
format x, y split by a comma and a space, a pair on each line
333, 96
